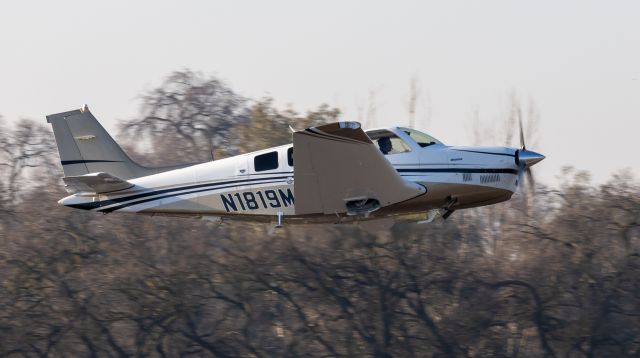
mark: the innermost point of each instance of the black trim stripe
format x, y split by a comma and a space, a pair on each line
121, 206
68, 162
461, 170
85, 206
208, 186
477, 151
187, 187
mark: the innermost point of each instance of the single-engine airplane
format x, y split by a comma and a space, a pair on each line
332, 173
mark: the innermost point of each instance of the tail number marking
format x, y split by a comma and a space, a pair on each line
249, 200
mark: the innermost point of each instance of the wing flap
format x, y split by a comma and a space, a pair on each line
336, 164
95, 183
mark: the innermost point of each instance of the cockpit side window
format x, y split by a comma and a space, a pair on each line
388, 142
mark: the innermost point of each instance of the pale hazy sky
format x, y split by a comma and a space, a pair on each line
578, 60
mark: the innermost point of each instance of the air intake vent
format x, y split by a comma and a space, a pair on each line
489, 178
466, 177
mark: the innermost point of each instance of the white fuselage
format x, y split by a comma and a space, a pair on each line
235, 187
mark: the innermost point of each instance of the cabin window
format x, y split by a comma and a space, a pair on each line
266, 161
290, 156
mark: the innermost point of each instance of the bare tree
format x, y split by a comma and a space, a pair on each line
26, 145
419, 101
562, 281
188, 113
414, 94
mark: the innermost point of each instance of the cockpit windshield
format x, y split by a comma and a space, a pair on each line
423, 139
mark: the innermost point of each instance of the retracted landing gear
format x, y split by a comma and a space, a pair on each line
444, 212
449, 207
447, 214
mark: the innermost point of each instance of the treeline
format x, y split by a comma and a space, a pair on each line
555, 274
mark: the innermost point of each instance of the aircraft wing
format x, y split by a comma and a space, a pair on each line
338, 169
95, 183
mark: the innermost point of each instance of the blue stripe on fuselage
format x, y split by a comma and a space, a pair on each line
457, 170
208, 186
481, 152
121, 206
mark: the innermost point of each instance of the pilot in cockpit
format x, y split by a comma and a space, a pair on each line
384, 143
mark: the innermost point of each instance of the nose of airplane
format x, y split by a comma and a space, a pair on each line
528, 157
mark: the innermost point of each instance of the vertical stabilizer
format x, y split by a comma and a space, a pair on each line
86, 147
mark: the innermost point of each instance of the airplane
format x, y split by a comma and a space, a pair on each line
332, 173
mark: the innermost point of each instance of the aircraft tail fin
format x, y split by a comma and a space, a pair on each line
86, 147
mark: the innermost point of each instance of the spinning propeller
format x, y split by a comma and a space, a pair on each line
525, 159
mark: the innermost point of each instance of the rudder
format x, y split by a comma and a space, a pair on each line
86, 147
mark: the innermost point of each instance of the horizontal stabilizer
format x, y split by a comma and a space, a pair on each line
95, 183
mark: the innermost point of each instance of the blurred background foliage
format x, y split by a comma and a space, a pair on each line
555, 274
